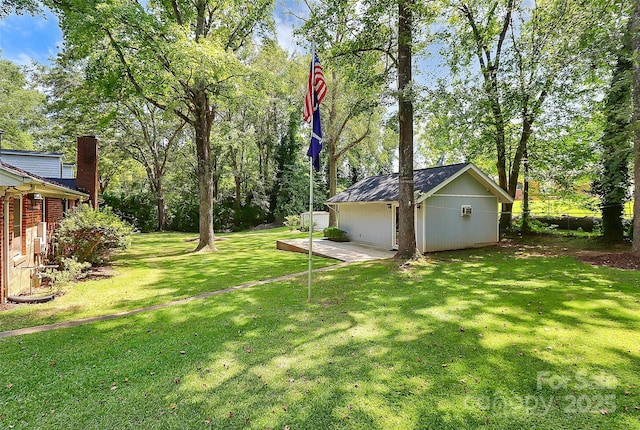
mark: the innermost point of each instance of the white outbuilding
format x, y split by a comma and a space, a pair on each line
320, 220
457, 206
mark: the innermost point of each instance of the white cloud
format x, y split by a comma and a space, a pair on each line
288, 16
286, 39
22, 59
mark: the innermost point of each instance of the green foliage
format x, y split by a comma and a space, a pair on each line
137, 207
335, 234
20, 107
183, 214
522, 80
19, 7
248, 215
293, 222
534, 225
91, 235
614, 180
69, 270
290, 182
185, 58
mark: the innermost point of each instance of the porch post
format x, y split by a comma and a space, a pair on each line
5, 250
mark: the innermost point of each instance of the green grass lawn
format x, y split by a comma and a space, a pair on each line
559, 207
503, 338
160, 267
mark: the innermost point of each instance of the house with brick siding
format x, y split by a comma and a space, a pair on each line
36, 190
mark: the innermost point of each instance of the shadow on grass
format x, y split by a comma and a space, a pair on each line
481, 339
161, 267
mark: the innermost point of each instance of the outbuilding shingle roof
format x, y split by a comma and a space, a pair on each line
384, 188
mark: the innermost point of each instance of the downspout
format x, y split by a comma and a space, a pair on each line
421, 201
5, 249
424, 226
415, 223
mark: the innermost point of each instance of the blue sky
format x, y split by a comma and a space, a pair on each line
25, 39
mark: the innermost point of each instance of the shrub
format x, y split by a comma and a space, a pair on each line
91, 235
68, 271
335, 234
292, 221
535, 226
137, 207
183, 215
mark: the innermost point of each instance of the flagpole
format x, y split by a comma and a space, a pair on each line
310, 225
311, 193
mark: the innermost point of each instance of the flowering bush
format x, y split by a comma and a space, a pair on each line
92, 235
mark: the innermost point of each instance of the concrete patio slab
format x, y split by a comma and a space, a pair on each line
343, 251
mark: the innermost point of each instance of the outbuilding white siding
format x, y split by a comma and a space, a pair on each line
445, 227
420, 226
320, 220
368, 223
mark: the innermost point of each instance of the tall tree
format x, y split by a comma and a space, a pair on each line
355, 83
386, 27
352, 120
527, 54
613, 183
20, 107
406, 199
74, 108
290, 180
150, 136
180, 56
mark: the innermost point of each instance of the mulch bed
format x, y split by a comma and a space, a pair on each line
99, 272
618, 260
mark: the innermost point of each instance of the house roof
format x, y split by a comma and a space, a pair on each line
384, 188
67, 182
23, 181
6, 151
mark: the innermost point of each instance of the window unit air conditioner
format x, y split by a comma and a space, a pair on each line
465, 210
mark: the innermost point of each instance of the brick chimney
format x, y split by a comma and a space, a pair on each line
87, 168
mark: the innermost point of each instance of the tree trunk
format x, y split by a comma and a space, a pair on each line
406, 234
491, 87
333, 148
526, 216
155, 176
238, 193
512, 185
162, 211
333, 179
635, 31
612, 186
202, 126
501, 162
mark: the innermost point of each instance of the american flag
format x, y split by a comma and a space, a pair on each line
316, 90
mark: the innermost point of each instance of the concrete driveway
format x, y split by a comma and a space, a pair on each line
343, 251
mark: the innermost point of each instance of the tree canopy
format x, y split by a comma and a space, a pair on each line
197, 99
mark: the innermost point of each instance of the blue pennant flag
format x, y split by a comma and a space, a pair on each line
316, 90
316, 141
